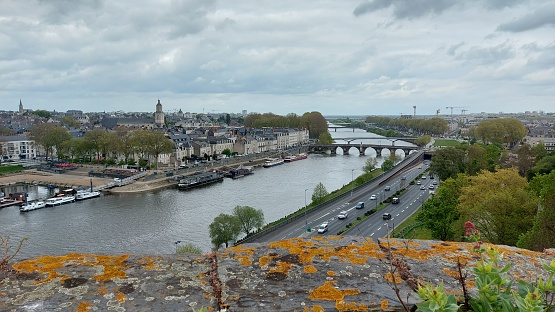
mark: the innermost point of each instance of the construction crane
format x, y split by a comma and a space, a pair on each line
414, 113
437, 111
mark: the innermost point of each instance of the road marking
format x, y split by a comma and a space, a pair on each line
372, 234
397, 215
379, 228
403, 210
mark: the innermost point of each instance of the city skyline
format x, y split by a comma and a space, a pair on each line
376, 57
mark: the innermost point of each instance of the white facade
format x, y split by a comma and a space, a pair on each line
17, 148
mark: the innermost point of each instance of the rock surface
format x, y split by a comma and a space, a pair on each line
333, 273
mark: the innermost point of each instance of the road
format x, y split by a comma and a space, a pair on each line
374, 226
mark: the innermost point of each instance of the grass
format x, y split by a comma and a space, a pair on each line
444, 142
10, 169
417, 233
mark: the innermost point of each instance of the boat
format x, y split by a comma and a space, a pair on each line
59, 200
82, 194
240, 172
271, 162
30, 206
291, 158
199, 179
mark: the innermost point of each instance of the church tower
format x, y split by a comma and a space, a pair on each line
20, 107
159, 115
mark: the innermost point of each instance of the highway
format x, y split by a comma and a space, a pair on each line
374, 226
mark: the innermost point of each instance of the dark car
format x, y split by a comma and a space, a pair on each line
359, 205
386, 216
387, 188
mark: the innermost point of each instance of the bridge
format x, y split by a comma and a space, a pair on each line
362, 147
392, 139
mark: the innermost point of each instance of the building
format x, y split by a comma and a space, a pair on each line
159, 115
17, 148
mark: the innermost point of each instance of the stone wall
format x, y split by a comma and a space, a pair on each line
332, 273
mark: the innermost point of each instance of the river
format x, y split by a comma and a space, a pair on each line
151, 223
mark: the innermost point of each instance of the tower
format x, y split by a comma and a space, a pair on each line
159, 115
20, 107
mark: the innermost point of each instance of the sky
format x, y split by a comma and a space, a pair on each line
338, 57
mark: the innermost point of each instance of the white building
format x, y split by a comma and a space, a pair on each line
17, 148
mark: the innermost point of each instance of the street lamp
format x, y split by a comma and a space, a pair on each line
352, 170
305, 221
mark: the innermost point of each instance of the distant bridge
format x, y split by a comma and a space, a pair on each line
362, 147
392, 139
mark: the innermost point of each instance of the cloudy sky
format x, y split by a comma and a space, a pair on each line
359, 57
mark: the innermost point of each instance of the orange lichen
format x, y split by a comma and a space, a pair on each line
329, 292
306, 250
113, 265
384, 304
454, 274
201, 276
149, 264
264, 260
350, 306
84, 306
244, 255
281, 267
390, 276
102, 291
310, 269
121, 297
330, 273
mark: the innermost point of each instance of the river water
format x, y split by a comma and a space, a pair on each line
151, 222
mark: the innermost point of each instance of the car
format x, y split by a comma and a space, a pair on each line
387, 188
359, 205
423, 177
432, 177
418, 183
404, 178
373, 197
323, 228
395, 200
422, 187
386, 216
342, 215
431, 187
434, 183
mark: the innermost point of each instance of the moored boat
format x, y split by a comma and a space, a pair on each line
271, 162
30, 206
240, 172
59, 200
199, 179
291, 158
82, 194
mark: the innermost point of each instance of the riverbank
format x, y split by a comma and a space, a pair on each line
79, 178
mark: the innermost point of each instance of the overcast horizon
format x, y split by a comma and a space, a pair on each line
376, 57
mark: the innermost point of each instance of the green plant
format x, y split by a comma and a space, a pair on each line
435, 299
187, 248
494, 289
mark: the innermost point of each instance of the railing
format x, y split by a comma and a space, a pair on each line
408, 229
300, 214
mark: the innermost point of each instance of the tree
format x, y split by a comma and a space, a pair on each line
370, 164
5, 131
42, 113
440, 211
499, 204
319, 193
159, 144
542, 233
249, 218
227, 152
69, 122
448, 162
51, 137
99, 141
543, 166
501, 130
423, 140
325, 138
388, 164
224, 229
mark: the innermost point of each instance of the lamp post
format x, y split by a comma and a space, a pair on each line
352, 170
305, 220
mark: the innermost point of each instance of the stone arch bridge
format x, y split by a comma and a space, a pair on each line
362, 147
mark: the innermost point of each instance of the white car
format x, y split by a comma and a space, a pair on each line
373, 197
323, 228
342, 215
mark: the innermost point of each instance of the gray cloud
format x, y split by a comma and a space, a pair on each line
405, 9
544, 16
